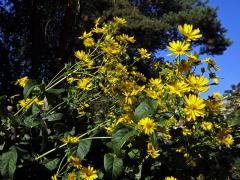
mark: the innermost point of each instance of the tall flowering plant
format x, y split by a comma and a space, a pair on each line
101, 117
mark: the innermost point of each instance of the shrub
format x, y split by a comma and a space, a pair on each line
102, 117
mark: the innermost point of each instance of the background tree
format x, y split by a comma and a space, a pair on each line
38, 37
232, 115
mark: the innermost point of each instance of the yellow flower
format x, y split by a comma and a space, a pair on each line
86, 35
110, 46
215, 80
125, 119
190, 33
54, 177
198, 83
120, 68
26, 103
38, 102
22, 81
180, 149
89, 42
206, 125
97, 22
70, 139
186, 155
70, 80
156, 83
129, 99
75, 161
153, 94
119, 20
193, 57
166, 135
152, 151
81, 55
88, 173
84, 84
110, 128
194, 107
178, 48
224, 137
139, 75
125, 38
186, 131
178, 88
228, 140
215, 105
144, 53
72, 176
211, 64
147, 125
170, 178
216, 95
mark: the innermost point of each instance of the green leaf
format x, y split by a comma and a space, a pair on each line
31, 84
134, 154
35, 109
54, 117
83, 147
8, 162
52, 164
121, 135
113, 165
31, 121
55, 91
145, 108
235, 119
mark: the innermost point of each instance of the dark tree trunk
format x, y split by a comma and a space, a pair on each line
37, 41
65, 32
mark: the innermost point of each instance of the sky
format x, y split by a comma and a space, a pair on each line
229, 15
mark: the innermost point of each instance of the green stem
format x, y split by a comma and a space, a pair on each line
60, 164
48, 152
97, 138
56, 75
55, 107
63, 145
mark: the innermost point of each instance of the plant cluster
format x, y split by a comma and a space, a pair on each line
111, 121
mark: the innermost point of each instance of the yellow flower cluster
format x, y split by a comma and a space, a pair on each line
152, 151
170, 178
105, 75
22, 81
86, 173
27, 103
70, 139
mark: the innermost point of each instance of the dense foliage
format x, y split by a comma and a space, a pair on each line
111, 121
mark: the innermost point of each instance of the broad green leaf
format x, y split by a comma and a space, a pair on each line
145, 108
54, 117
35, 109
31, 121
55, 91
31, 84
134, 154
52, 164
121, 135
83, 147
154, 138
113, 165
8, 162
